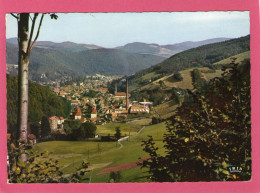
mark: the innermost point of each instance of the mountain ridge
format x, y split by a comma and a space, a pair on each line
134, 47
57, 63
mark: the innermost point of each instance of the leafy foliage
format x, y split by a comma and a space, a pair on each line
204, 138
177, 76
45, 127
114, 177
39, 168
91, 94
197, 79
80, 131
118, 133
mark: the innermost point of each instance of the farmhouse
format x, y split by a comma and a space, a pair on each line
93, 113
78, 114
56, 123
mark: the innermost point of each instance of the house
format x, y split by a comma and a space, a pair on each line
121, 96
56, 123
93, 113
146, 103
93, 120
32, 138
78, 114
113, 115
53, 123
68, 98
83, 120
74, 103
121, 111
56, 90
63, 93
102, 90
61, 120
135, 109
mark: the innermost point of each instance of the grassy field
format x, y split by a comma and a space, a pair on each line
186, 83
131, 127
239, 58
146, 77
164, 110
101, 155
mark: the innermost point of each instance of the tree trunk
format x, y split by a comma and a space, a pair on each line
23, 70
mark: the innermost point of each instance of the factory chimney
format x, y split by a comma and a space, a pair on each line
127, 100
115, 88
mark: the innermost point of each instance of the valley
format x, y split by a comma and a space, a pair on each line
99, 105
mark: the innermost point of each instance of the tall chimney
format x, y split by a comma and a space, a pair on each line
127, 102
115, 88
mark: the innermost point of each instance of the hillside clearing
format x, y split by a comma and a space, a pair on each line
239, 58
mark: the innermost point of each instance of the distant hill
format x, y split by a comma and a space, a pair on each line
55, 63
54, 60
190, 44
144, 48
204, 56
63, 46
199, 57
166, 50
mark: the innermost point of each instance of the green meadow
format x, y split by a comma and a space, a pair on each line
101, 155
128, 128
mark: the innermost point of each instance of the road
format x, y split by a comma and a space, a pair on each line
127, 137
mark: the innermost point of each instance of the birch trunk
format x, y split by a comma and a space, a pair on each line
23, 70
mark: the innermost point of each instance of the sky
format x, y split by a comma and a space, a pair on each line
117, 29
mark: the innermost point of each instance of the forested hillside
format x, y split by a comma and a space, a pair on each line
59, 63
201, 56
204, 56
42, 102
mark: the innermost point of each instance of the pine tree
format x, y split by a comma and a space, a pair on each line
45, 127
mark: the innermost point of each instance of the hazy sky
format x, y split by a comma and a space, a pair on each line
117, 29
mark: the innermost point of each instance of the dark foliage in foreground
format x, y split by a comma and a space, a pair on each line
204, 138
39, 167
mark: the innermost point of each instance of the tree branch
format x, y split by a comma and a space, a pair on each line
31, 31
30, 17
38, 32
14, 15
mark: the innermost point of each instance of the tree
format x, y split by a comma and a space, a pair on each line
207, 137
114, 177
176, 77
89, 129
118, 133
39, 168
45, 127
25, 44
85, 130
35, 129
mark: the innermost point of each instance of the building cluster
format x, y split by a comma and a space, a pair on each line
100, 108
